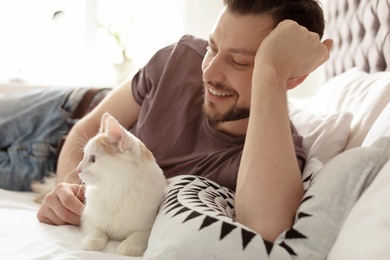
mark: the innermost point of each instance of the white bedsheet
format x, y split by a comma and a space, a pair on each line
22, 236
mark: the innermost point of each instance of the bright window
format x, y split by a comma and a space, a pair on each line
74, 42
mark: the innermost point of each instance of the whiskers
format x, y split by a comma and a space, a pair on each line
76, 180
79, 141
80, 190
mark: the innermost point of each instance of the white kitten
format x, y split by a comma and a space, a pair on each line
124, 189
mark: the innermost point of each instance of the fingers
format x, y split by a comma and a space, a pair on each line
51, 213
79, 191
293, 51
326, 46
62, 206
68, 197
328, 43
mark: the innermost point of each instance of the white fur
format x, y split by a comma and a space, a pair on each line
44, 187
123, 194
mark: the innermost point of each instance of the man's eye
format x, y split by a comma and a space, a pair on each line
92, 158
239, 64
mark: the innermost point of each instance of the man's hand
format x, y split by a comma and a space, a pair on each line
64, 205
293, 52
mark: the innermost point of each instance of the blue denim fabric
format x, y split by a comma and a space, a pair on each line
31, 127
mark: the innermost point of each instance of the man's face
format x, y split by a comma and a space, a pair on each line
228, 64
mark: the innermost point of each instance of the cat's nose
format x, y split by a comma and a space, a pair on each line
78, 170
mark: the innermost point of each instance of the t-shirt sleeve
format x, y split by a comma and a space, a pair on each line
300, 153
147, 78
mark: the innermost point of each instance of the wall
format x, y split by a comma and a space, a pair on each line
201, 16
29, 61
160, 23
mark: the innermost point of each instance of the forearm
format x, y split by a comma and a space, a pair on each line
72, 151
269, 186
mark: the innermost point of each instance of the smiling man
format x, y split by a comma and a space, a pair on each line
218, 109
228, 67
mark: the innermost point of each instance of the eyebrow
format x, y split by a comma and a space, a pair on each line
241, 51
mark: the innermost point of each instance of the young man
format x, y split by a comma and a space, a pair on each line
242, 137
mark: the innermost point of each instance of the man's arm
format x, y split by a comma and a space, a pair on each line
269, 186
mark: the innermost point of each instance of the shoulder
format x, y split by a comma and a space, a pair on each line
172, 65
193, 43
187, 48
185, 55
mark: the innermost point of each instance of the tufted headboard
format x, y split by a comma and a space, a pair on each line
360, 30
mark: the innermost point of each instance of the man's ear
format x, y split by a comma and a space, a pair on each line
293, 82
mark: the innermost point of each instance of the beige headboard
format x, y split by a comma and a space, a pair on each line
361, 33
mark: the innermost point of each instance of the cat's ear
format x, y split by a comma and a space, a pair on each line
115, 131
103, 122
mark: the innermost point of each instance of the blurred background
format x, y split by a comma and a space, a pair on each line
94, 42
82, 42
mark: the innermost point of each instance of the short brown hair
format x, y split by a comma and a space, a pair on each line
307, 13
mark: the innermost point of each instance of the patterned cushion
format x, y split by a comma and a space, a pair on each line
196, 219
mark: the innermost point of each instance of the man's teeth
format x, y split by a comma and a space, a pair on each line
215, 93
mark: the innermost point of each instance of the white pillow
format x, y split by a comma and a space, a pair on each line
381, 127
366, 231
332, 192
364, 95
324, 135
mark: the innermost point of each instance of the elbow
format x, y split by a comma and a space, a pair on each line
269, 230
269, 218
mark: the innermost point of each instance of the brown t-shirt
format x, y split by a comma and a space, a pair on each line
172, 123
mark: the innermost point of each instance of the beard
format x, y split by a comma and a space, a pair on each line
233, 113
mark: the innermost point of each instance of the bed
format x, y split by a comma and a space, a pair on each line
346, 126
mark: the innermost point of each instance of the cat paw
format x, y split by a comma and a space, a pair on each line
93, 244
130, 250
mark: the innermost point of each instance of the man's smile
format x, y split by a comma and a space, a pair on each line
217, 93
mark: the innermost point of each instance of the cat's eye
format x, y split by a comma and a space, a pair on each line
92, 158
